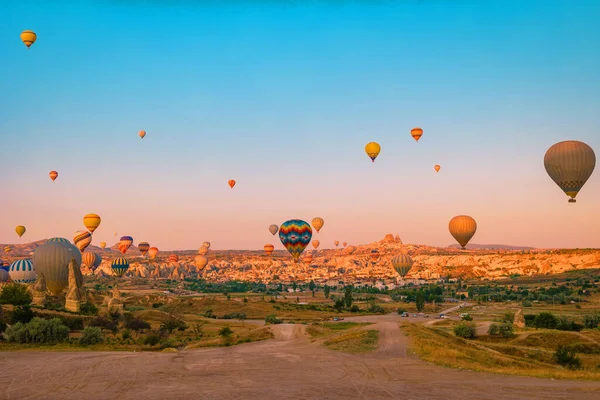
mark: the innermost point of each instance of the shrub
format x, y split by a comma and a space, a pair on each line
102, 321
39, 330
172, 323
157, 305
526, 303
566, 358
22, 314
565, 324
15, 294
467, 317
354, 308
504, 330
400, 311
466, 331
91, 335
137, 324
545, 320
74, 324
225, 331
88, 309
272, 319
508, 317
209, 314
493, 330
152, 339
591, 321
375, 308
2, 328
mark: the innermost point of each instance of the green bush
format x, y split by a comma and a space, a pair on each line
504, 330
467, 317
376, 309
137, 324
591, 321
565, 324
566, 358
23, 314
39, 330
88, 309
272, 319
225, 331
15, 294
354, 308
546, 320
526, 303
152, 338
104, 322
466, 331
91, 335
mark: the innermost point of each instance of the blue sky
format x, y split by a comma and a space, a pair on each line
282, 97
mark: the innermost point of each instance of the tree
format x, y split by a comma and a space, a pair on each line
420, 301
15, 294
326, 291
294, 286
312, 287
348, 296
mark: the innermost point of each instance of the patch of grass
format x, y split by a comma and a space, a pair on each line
322, 329
504, 357
358, 341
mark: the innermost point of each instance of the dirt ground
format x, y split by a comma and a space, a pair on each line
287, 367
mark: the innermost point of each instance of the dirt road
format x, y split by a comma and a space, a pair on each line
288, 367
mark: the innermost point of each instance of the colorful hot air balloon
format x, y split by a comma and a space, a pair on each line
91, 222
437, 168
82, 239
273, 229
173, 258
88, 258
142, 134
315, 243
53, 175
318, 223
570, 164
416, 133
21, 271
119, 266
295, 235
231, 183
102, 245
143, 247
372, 149
52, 259
269, 248
200, 262
337, 242
152, 252
206, 244
125, 243
374, 255
28, 38
402, 264
462, 228
7, 249
203, 250
20, 230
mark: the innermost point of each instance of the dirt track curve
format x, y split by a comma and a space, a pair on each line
287, 367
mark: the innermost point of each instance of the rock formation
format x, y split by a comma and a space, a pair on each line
73, 301
115, 304
519, 320
39, 291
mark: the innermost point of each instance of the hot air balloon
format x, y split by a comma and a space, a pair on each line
206, 244
21, 271
437, 168
462, 228
200, 262
269, 248
337, 242
231, 183
416, 133
173, 258
345, 244
349, 249
52, 259
374, 255
295, 235
7, 249
317, 223
273, 229
102, 245
308, 258
53, 175
119, 266
125, 243
203, 250
28, 38
143, 247
315, 243
20, 230
91, 222
402, 264
82, 239
90, 258
570, 164
4, 277
152, 252
142, 134
3, 267
372, 149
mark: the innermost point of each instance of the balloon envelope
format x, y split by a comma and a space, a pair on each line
152, 252
570, 164
125, 243
142, 134
91, 222
200, 262
402, 264
318, 223
269, 248
53, 175
273, 229
20, 230
462, 228
437, 168
295, 235
144, 247
21, 271
231, 183
119, 266
52, 259
28, 38
372, 149
82, 239
416, 133
316, 243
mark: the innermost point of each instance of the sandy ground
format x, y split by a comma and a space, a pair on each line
287, 367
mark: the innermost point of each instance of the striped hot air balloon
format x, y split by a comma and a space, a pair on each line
90, 258
7, 249
82, 239
125, 243
119, 266
374, 255
21, 271
91, 222
144, 247
173, 258
269, 248
58, 240
402, 264
295, 235
416, 133
53, 175
308, 258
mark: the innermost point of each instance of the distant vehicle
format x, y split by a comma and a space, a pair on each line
336, 319
414, 315
443, 316
404, 314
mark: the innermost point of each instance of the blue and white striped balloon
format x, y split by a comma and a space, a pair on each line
21, 271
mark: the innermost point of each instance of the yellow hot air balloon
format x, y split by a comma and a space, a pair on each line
91, 222
316, 243
200, 262
203, 250
402, 264
269, 249
318, 223
20, 230
372, 149
7, 249
462, 228
570, 164
28, 38
416, 133
437, 168
337, 242
102, 245
142, 134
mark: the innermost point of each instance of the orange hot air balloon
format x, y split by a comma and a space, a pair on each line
53, 175
152, 252
416, 133
269, 249
231, 183
437, 168
28, 38
142, 134
345, 244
